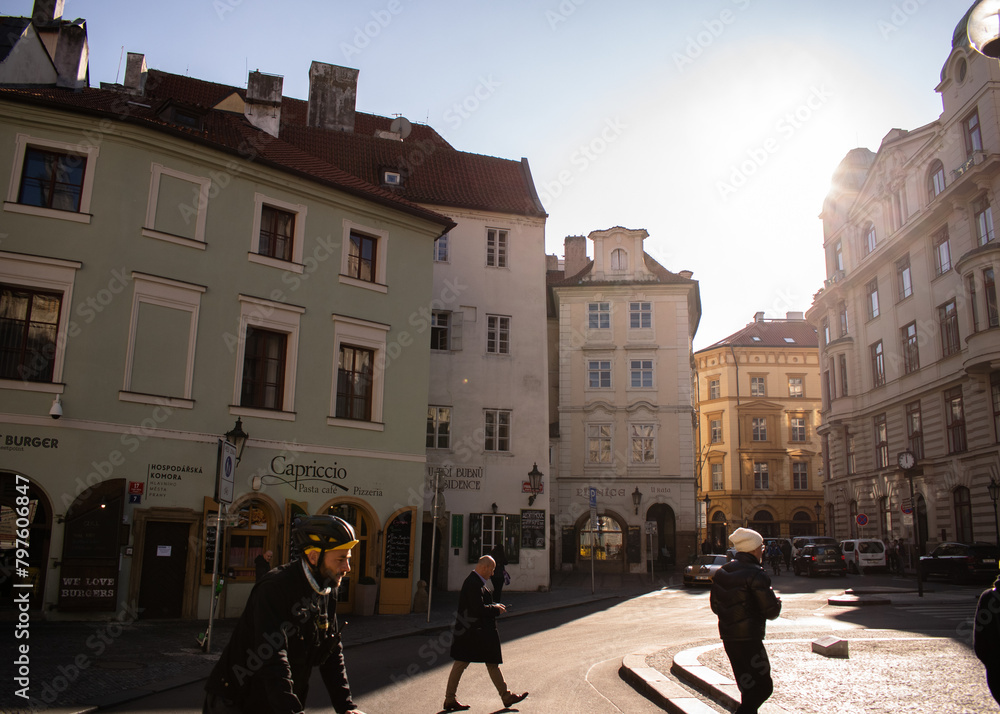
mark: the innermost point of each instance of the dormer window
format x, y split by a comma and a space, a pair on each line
392, 178
619, 259
183, 117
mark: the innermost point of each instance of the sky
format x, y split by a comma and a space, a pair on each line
715, 125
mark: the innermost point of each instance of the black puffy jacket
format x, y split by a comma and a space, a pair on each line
743, 599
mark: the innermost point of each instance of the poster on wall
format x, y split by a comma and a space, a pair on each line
532, 528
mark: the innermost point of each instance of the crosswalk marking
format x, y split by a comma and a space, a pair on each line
941, 612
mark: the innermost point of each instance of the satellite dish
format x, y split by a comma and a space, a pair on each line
401, 126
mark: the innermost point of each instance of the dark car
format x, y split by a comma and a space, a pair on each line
819, 558
702, 570
962, 561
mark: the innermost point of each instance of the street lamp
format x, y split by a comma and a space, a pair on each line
983, 27
994, 489
534, 483
818, 510
238, 438
636, 499
708, 505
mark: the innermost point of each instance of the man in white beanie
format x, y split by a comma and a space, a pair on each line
743, 599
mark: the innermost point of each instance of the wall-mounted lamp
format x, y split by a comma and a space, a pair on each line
55, 411
636, 499
238, 438
534, 483
494, 507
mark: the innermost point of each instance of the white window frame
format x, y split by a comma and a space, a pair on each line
21, 144
298, 237
496, 436
718, 477
204, 185
599, 313
640, 309
52, 275
499, 325
442, 254
641, 371
371, 336
176, 295
278, 317
634, 437
600, 371
499, 252
594, 431
381, 256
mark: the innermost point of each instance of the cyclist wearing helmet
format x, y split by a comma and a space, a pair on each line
288, 627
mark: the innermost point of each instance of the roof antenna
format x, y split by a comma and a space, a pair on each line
119, 64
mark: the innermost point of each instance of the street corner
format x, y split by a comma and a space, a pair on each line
659, 687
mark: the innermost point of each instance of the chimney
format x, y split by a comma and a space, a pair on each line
333, 92
795, 316
758, 317
46, 11
686, 274
263, 105
551, 262
135, 73
72, 58
575, 258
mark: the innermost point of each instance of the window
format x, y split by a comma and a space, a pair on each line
795, 387
935, 179
496, 248
250, 535
914, 430
492, 532
942, 252
440, 324
948, 321
362, 257
761, 482
990, 291
264, 369
963, 514
441, 249
718, 483
826, 330
870, 240
715, 429
355, 379
983, 219
599, 443
52, 179
641, 371
838, 256
800, 476
995, 400
972, 134
599, 315
599, 374
842, 360
955, 420
177, 209
904, 279
277, 228
497, 430
797, 431
643, 451
872, 290
619, 259
911, 351
497, 334
758, 387
713, 389
438, 427
842, 315
759, 428
881, 442
29, 328
849, 447
970, 286
878, 365
640, 315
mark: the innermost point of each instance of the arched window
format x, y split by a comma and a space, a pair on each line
619, 259
609, 544
802, 524
963, 514
763, 523
935, 179
253, 531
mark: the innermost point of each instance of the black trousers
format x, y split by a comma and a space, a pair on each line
752, 671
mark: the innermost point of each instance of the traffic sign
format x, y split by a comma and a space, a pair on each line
227, 472
593, 496
862, 519
906, 507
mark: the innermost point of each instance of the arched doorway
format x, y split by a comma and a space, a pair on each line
24, 505
92, 548
606, 543
665, 553
719, 532
362, 563
763, 523
802, 524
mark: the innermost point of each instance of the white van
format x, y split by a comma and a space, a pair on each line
863, 553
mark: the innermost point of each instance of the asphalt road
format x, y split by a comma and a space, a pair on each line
569, 659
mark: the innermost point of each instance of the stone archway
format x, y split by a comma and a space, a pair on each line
665, 550
607, 543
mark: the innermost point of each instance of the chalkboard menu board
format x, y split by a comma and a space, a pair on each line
532, 529
397, 546
211, 534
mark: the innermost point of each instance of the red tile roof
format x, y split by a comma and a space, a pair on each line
771, 333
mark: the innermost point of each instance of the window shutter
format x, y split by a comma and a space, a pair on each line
475, 536
457, 318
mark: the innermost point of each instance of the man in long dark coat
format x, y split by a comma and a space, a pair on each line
476, 638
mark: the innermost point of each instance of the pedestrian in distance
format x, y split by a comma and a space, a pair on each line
287, 628
500, 576
476, 638
263, 563
743, 599
706, 547
986, 636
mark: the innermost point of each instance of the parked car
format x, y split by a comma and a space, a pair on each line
799, 542
863, 553
702, 570
962, 561
817, 558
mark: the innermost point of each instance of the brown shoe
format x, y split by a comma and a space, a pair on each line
455, 706
511, 699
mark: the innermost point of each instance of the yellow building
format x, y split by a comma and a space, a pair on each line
759, 455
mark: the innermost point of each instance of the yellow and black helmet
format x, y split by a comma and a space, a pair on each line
322, 533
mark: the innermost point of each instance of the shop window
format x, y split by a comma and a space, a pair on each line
253, 532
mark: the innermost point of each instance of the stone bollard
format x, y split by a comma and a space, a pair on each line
831, 646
